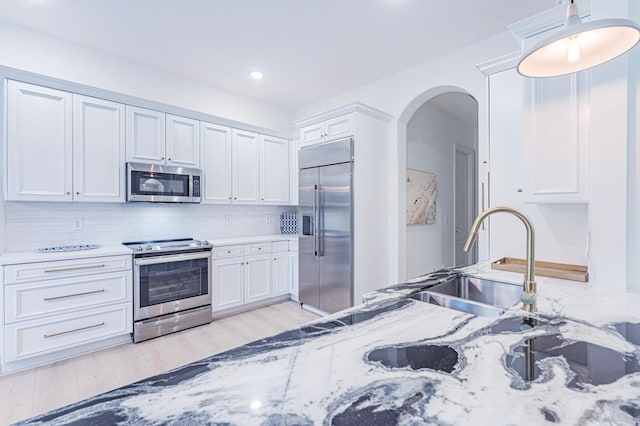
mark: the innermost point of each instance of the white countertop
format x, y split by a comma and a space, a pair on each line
252, 239
35, 256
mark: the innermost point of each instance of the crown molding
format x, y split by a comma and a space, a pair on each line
346, 109
501, 63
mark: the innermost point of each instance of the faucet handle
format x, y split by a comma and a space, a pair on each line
529, 301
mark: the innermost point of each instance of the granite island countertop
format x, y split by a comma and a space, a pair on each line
395, 360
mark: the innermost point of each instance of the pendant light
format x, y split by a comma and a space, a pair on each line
579, 45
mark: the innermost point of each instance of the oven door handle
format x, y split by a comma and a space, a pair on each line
171, 258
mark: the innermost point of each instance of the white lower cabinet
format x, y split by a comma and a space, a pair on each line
257, 278
281, 269
247, 274
31, 338
58, 306
228, 283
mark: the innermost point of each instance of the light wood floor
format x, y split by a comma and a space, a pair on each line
32, 392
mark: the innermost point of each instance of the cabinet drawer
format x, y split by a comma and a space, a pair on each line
31, 300
257, 248
32, 338
64, 268
293, 245
279, 246
227, 251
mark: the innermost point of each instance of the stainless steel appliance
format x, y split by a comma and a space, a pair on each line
171, 286
325, 225
162, 184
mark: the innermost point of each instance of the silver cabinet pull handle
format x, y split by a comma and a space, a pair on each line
46, 336
74, 268
47, 299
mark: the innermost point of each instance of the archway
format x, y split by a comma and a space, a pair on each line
437, 134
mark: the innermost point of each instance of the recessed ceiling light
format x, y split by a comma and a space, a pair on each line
256, 75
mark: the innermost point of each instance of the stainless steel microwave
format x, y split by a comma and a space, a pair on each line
162, 184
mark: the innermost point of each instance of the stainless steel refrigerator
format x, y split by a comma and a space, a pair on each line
325, 215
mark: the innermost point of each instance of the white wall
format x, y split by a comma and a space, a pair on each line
633, 219
30, 51
608, 219
33, 225
400, 95
431, 135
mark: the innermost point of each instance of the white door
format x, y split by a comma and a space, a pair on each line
145, 135
274, 170
216, 163
98, 150
39, 143
227, 283
246, 167
257, 277
464, 203
281, 273
183, 141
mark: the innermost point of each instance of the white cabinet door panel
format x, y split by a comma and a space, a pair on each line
32, 338
227, 283
339, 127
274, 170
281, 273
216, 163
39, 143
145, 135
257, 277
556, 134
311, 134
245, 167
98, 150
36, 299
183, 141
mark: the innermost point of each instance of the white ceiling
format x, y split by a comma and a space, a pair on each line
309, 50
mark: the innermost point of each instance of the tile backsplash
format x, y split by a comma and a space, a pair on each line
33, 225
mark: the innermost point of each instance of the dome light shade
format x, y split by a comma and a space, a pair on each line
579, 46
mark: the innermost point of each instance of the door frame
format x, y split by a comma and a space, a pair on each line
472, 197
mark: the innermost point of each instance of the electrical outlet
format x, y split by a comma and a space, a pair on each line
78, 224
267, 218
227, 219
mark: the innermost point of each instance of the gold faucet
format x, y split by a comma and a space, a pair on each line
529, 297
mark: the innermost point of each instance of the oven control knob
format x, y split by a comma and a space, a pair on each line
198, 243
139, 248
148, 247
205, 242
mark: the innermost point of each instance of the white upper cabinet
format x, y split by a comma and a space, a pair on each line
39, 143
154, 137
332, 128
183, 141
556, 136
98, 150
274, 170
216, 163
145, 135
245, 167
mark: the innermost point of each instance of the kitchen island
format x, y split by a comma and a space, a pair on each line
395, 360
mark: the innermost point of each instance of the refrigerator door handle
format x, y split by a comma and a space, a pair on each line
316, 194
321, 227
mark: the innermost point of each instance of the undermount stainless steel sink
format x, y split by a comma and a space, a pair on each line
473, 295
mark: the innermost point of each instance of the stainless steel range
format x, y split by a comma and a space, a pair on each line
172, 286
